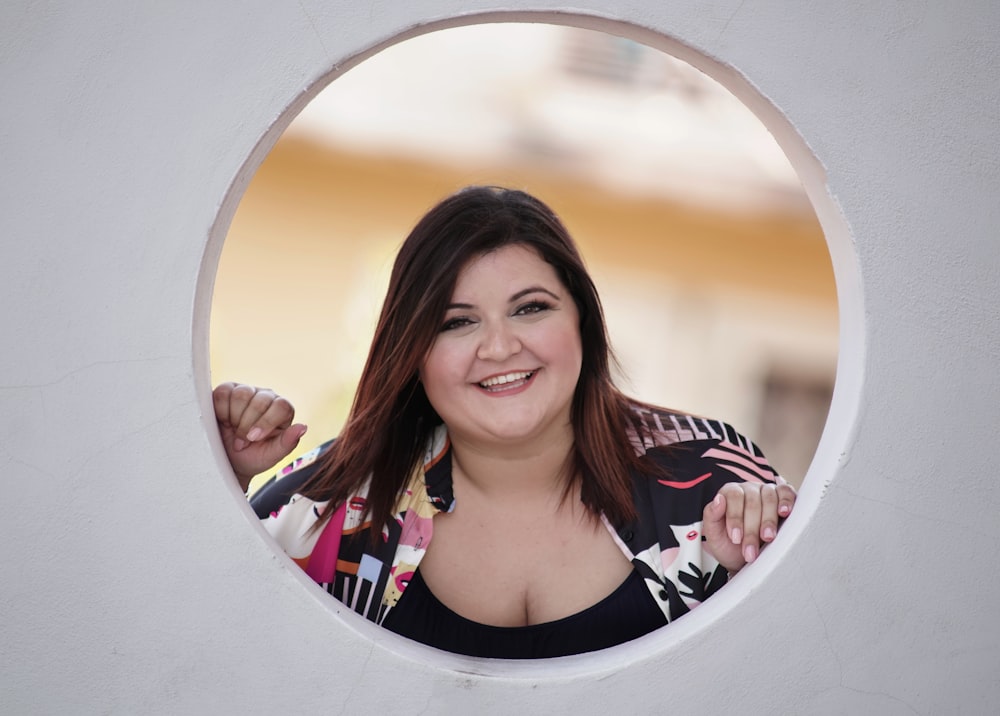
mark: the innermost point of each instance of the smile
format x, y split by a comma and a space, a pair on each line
506, 381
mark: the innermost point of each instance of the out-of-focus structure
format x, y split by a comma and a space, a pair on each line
713, 269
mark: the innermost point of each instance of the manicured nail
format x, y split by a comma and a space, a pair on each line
769, 533
784, 510
749, 553
717, 502
737, 536
254, 434
239, 443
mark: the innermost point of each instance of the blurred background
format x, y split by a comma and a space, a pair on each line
713, 269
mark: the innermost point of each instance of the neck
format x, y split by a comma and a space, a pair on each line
533, 472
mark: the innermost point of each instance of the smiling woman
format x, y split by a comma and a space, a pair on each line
492, 492
512, 331
695, 227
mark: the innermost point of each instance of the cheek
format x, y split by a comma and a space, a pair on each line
569, 347
574, 356
437, 370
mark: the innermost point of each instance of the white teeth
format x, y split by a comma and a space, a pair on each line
504, 379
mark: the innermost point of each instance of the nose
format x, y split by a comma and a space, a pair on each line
498, 342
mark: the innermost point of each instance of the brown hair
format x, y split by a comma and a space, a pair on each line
391, 419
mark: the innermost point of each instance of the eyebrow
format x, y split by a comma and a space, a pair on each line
520, 294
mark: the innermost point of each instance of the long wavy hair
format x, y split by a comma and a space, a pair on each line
391, 419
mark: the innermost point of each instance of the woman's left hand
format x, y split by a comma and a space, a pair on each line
744, 517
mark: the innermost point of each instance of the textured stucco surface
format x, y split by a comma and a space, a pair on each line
136, 582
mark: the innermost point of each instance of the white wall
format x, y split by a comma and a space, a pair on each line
134, 579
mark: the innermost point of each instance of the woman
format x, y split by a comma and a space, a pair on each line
492, 492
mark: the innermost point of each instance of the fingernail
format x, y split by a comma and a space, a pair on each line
749, 553
737, 535
718, 500
784, 510
254, 434
768, 533
239, 443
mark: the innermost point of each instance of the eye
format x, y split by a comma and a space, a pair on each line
533, 307
453, 323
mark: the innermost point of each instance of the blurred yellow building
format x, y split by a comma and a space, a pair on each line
712, 267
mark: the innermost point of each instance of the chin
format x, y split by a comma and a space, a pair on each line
519, 433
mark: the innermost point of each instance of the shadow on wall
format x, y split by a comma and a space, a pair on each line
713, 269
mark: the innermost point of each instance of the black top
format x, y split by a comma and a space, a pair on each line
625, 614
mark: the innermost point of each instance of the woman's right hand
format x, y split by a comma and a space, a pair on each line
256, 428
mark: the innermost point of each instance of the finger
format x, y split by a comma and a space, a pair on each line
266, 453
786, 500
715, 510
229, 400
220, 401
713, 519
751, 521
768, 512
290, 438
718, 542
734, 511
277, 415
240, 399
249, 407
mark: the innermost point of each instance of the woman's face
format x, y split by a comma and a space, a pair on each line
505, 365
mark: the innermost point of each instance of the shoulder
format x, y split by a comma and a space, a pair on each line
652, 427
693, 446
278, 491
684, 460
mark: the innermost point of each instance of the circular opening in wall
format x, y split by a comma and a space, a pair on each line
708, 256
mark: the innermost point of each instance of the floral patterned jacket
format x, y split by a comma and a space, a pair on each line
664, 543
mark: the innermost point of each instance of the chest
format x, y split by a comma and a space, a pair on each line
519, 571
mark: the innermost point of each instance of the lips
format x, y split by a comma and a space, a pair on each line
506, 381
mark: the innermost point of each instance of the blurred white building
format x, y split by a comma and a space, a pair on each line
624, 115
